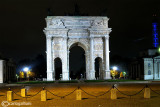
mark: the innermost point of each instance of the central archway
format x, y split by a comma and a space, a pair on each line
77, 62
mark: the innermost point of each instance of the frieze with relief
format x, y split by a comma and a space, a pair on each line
98, 33
57, 47
98, 47
56, 23
98, 54
100, 23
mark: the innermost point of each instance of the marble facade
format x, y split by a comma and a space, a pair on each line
90, 33
152, 68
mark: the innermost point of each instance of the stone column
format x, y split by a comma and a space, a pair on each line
107, 69
155, 69
92, 71
87, 75
52, 59
65, 71
68, 62
49, 59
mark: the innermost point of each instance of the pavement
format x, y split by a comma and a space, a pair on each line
126, 82
62, 89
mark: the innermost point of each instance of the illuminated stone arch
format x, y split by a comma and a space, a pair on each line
90, 33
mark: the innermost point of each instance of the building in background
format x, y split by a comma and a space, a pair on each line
7, 71
147, 66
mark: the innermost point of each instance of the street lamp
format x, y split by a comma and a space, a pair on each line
114, 71
26, 69
159, 50
115, 68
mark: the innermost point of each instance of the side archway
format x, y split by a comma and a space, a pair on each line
98, 68
58, 68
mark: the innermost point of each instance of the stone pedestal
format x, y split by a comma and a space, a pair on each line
113, 94
9, 96
65, 76
43, 95
91, 75
78, 95
23, 92
147, 93
50, 76
106, 75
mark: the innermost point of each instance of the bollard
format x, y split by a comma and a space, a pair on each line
147, 93
78, 95
23, 92
43, 95
113, 93
9, 96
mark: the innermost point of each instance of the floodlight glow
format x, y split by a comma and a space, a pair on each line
159, 49
26, 69
115, 68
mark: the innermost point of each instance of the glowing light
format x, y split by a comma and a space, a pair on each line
159, 49
155, 35
115, 68
124, 73
26, 69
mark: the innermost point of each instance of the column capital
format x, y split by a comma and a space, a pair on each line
65, 37
91, 37
49, 37
106, 37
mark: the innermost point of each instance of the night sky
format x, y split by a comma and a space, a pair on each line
22, 23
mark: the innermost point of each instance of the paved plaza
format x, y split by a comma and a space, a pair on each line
62, 89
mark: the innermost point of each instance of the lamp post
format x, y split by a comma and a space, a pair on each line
114, 71
17, 77
26, 69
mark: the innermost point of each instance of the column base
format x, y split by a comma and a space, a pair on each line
91, 75
50, 76
65, 76
106, 75
50, 79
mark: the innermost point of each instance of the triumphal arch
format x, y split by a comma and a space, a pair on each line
90, 33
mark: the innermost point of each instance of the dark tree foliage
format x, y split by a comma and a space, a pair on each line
1, 57
40, 66
120, 62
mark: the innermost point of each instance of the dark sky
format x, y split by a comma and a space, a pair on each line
22, 23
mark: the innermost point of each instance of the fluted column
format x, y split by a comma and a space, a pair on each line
49, 59
87, 75
107, 68
92, 71
52, 58
65, 71
68, 62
